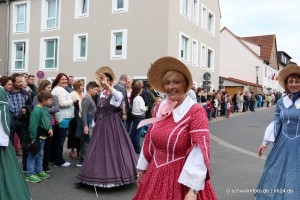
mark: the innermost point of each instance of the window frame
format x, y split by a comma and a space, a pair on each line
188, 47
203, 61
194, 55
211, 29
25, 58
44, 18
204, 17
77, 47
212, 61
27, 17
188, 13
113, 55
195, 17
78, 9
43, 46
115, 9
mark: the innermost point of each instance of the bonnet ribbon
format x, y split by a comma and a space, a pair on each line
295, 96
165, 111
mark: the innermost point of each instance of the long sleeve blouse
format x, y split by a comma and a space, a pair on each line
65, 103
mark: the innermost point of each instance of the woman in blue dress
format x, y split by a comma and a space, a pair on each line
281, 174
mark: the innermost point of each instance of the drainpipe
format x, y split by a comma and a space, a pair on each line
7, 34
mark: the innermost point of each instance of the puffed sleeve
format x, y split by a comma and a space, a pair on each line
116, 99
269, 134
196, 168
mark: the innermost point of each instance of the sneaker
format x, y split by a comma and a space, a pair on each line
79, 165
47, 170
43, 175
66, 164
33, 179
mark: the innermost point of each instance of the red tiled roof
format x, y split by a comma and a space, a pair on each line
266, 43
241, 81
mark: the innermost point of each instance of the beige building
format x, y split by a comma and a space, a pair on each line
79, 36
3, 37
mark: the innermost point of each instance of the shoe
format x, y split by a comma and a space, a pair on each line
33, 179
43, 175
79, 165
47, 170
24, 170
66, 164
78, 185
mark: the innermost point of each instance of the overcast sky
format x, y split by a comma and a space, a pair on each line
265, 17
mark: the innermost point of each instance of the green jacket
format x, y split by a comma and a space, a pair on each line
4, 111
39, 120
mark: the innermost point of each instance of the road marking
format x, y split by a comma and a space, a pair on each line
236, 148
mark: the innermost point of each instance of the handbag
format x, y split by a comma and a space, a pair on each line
34, 147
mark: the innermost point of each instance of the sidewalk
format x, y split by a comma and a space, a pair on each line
232, 115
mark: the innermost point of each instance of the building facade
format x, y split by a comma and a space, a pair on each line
3, 37
79, 36
250, 62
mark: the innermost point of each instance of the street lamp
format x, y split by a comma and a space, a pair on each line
256, 74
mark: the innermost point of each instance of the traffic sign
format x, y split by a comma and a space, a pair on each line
40, 74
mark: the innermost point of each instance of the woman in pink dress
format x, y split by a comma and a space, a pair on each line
175, 157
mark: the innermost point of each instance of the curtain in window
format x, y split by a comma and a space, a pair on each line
82, 46
120, 4
50, 60
52, 13
21, 18
84, 6
119, 39
20, 55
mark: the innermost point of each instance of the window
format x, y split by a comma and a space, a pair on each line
19, 55
81, 8
195, 52
119, 44
119, 6
203, 55
50, 14
185, 8
266, 71
204, 17
49, 53
80, 47
196, 11
21, 17
211, 23
210, 58
185, 47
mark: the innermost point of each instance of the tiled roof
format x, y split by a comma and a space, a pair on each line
266, 43
241, 81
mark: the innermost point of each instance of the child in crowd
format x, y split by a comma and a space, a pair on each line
39, 129
216, 106
88, 111
228, 108
209, 108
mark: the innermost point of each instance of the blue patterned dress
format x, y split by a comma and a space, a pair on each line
281, 175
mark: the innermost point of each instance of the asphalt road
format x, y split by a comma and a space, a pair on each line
235, 167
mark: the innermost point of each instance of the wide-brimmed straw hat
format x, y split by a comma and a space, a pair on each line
161, 66
103, 70
285, 72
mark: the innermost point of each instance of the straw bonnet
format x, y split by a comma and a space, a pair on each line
103, 70
161, 66
285, 72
